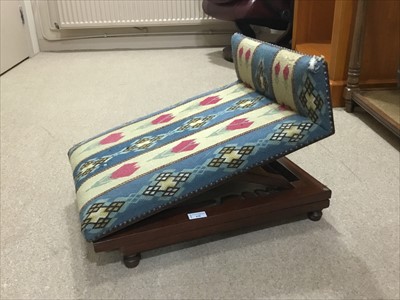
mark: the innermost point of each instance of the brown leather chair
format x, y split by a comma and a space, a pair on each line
274, 14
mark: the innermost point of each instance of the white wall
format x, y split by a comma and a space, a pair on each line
52, 39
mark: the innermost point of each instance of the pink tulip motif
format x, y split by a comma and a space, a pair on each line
277, 68
240, 52
247, 55
210, 100
239, 124
112, 138
286, 72
125, 170
163, 119
282, 107
187, 145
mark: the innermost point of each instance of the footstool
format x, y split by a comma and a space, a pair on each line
209, 164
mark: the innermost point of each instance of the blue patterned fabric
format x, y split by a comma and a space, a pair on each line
279, 104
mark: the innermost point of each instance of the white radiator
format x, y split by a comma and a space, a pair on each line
124, 13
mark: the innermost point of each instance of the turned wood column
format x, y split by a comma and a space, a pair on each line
353, 74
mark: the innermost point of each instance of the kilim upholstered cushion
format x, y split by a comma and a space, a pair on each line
279, 104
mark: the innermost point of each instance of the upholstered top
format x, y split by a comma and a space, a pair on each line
142, 167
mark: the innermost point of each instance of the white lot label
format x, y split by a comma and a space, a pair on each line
197, 215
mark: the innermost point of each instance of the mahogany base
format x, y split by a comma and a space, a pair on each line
277, 191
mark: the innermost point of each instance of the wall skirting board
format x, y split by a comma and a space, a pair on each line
136, 42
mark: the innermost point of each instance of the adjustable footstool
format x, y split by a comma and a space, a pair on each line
212, 163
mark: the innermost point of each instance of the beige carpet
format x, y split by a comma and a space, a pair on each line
54, 100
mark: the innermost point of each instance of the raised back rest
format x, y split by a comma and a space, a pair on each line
292, 79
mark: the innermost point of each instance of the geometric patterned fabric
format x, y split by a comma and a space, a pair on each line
280, 103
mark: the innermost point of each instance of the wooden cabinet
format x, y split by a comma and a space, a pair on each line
325, 27
382, 104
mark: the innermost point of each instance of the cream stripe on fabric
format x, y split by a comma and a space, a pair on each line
145, 126
244, 57
148, 162
282, 77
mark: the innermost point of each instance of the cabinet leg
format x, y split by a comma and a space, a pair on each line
131, 261
350, 106
315, 215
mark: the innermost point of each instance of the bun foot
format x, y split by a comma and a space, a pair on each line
315, 215
227, 53
131, 261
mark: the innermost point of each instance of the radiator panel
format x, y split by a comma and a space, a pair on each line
125, 13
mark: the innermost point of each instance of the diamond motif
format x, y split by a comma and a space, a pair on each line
167, 184
195, 123
245, 103
90, 166
291, 132
311, 99
144, 143
261, 78
98, 215
231, 156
